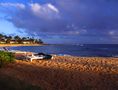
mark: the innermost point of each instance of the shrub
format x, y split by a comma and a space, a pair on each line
5, 58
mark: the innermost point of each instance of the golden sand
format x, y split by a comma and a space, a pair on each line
9, 45
67, 73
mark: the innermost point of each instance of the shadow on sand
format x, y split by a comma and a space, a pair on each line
55, 77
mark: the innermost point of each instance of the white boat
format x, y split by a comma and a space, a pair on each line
33, 57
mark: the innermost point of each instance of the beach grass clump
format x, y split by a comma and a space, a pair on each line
6, 57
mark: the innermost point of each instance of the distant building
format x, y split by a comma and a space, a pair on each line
2, 41
13, 42
20, 41
27, 42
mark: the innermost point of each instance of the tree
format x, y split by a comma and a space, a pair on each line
32, 40
18, 39
1, 36
40, 41
24, 38
5, 36
8, 39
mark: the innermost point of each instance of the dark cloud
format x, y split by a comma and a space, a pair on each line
99, 14
70, 19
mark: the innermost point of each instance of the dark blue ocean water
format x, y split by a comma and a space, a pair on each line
91, 50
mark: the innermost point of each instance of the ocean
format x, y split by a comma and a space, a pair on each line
84, 50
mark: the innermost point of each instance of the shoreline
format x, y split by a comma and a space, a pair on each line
69, 55
12, 45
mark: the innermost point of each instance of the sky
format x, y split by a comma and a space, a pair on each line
61, 21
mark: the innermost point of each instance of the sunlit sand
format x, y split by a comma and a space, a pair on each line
67, 73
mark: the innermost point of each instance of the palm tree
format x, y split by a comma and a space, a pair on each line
8, 39
40, 41
24, 38
5, 36
32, 40
18, 39
1, 36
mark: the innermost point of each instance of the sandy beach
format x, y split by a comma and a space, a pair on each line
66, 73
11, 45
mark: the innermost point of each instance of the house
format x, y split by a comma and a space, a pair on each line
2, 41
18, 40
27, 42
13, 42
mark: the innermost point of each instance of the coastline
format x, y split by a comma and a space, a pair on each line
63, 72
11, 45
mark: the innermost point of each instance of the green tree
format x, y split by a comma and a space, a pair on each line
5, 36
24, 38
9, 38
1, 36
8, 41
18, 39
40, 41
32, 40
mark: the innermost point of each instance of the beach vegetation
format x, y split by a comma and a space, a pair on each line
4, 39
5, 58
1, 36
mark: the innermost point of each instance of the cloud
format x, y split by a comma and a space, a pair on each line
111, 32
53, 7
37, 18
77, 18
47, 11
17, 5
92, 14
